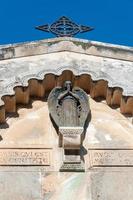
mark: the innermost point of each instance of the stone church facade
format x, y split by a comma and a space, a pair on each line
39, 162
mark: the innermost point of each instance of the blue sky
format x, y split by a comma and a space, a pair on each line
112, 19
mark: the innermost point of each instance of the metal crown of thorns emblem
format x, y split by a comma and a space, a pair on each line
64, 27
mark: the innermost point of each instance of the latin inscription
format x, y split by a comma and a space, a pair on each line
25, 157
111, 157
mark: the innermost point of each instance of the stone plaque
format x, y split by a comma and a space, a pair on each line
111, 157
25, 157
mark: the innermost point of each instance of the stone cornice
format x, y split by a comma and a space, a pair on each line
108, 68
18, 71
66, 44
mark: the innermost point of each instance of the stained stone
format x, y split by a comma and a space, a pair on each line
34, 165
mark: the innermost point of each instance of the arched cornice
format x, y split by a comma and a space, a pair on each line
40, 84
19, 71
33, 69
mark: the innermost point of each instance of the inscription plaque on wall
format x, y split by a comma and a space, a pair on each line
25, 157
101, 158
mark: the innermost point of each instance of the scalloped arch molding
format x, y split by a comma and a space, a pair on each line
33, 69
41, 84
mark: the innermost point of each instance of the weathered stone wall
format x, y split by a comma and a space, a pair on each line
36, 184
30, 156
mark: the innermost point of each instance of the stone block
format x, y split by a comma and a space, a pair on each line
71, 137
112, 184
20, 185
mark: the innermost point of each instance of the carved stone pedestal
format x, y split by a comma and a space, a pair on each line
71, 142
71, 137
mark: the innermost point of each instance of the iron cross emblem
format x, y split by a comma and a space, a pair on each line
64, 27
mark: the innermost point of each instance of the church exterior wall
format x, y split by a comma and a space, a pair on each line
30, 154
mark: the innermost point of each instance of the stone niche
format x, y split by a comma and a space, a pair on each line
30, 157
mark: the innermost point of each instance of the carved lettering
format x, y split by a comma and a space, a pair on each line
25, 157
111, 157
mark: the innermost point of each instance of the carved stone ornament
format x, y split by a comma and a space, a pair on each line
69, 110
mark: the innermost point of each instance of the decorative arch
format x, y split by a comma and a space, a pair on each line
39, 86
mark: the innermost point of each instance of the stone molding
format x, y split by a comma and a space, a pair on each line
28, 66
38, 86
46, 46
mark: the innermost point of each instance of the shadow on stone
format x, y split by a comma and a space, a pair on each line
128, 115
4, 125
1, 138
99, 99
83, 152
115, 106
86, 125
